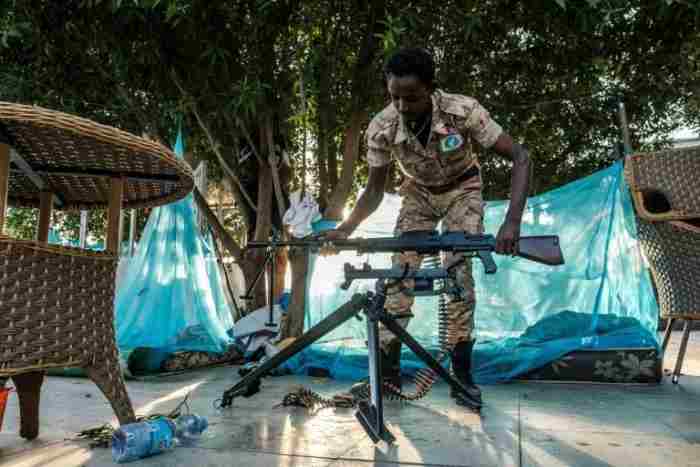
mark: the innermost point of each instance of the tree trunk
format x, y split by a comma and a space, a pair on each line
324, 134
351, 152
293, 325
332, 153
334, 189
362, 91
280, 273
263, 224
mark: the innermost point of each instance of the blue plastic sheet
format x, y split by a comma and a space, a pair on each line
527, 314
170, 296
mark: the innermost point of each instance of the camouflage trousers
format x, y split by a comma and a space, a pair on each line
460, 209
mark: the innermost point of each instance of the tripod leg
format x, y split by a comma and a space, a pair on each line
272, 258
259, 274
250, 384
371, 415
423, 354
375, 368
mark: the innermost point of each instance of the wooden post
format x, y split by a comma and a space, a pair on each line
46, 200
132, 232
121, 228
4, 181
113, 215
201, 181
624, 128
83, 228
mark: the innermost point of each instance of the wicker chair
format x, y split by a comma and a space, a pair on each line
667, 204
57, 303
56, 310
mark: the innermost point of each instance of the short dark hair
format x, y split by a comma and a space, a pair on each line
412, 61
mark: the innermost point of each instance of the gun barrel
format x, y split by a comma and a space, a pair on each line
273, 243
543, 249
359, 244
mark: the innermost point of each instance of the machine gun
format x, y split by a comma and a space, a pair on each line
370, 413
541, 249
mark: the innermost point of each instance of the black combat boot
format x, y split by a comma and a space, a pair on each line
461, 367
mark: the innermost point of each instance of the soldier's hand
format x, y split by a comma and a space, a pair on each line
327, 239
507, 238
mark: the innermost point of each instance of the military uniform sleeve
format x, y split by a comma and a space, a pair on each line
482, 127
378, 151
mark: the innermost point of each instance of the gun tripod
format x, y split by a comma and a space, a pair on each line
268, 264
370, 413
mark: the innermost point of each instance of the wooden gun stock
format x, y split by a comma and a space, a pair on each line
543, 249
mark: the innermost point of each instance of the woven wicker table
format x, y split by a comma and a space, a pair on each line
666, 198
56, 302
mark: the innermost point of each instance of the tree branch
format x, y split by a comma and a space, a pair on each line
274, 159
229, 243
247, 137
214, 145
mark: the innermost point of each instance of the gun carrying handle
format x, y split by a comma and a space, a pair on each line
487, 260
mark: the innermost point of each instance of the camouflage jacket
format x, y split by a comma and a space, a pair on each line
457, 121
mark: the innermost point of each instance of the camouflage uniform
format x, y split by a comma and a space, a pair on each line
435, 189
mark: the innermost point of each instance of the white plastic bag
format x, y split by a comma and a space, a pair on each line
301, 213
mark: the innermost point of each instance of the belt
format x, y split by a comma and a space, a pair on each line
473, 171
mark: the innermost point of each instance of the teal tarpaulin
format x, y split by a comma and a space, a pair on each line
527, 314
170, 296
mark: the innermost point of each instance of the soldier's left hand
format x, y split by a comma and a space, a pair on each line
507, 238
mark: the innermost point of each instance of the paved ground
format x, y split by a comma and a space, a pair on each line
523, 424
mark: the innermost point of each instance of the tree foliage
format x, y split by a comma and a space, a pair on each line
252, 80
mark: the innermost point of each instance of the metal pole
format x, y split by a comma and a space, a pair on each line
132, 232
83, 228
271, 288
120, 236
375, 375
624, 128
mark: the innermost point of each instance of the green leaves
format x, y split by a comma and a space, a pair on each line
248, 93
394, 28
21, 223
216, 55
545, 70
11, 29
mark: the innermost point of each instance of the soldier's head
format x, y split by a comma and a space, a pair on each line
410, 79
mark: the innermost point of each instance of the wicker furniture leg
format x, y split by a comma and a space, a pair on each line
28, 387
667, 334
681, 351
109, 379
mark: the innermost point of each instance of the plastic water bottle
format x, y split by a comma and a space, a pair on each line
144, 439
189, 428
138, 440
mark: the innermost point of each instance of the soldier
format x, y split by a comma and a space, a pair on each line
430, 133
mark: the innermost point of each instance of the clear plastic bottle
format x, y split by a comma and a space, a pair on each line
143, 439
189, 428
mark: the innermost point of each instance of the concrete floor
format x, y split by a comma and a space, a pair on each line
523, 424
